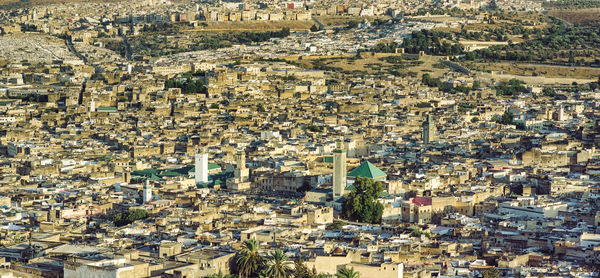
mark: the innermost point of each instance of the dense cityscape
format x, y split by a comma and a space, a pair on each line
306, 139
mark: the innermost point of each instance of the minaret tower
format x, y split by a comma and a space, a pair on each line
147, 193
339, 169
201, 166
428, 130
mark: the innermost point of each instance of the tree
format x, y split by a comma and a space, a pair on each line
277, 265
248, 261
362, 204
314, 28
347, 273
122, 219
352, 24
261, 108
491, 273
301, 271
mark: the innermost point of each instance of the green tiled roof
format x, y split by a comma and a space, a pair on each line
169, 173
211, 166
329, 159
146, 173
367, 170
106, 108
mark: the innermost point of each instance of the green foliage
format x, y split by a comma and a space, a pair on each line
214, 106
385, 47
378, 22
549, 92
277, 265
28, 27
187, 86
33, 97
491, 273
475, 119
595, 85
336, 225
423, 104
554, 44
352, 24
511, 88
431, 42
122, 219
290, 78
347, 273
505, 119
431, 82
248, 260
426, 79
261, 108
154, 43
314, 28
301, 271
330, 82
362, 204
314, 128
418, 233
116, 46
572, 4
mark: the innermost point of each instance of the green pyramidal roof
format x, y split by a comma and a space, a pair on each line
367, 170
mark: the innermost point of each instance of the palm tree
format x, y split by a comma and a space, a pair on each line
248, 260
347, 273
277, 265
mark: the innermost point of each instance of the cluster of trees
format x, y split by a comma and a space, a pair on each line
248, 37
352, 24
572, 4
362, 204
187, 86
261, 108
419, 233
314, 128
250, 262
33, 97
116, 46
28, 27
441, 11
508, 119
122, 219
595, 85
511, 88
426, 79
221, 40
555, 44
163, 27
430, 41
156, 45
